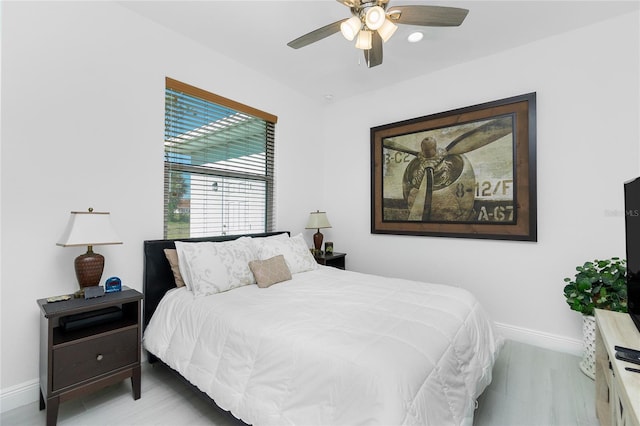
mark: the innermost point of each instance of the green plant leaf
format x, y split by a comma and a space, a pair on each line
601, 283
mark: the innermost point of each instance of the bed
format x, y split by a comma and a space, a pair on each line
311, 344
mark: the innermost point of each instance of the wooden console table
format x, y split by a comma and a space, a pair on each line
617, 390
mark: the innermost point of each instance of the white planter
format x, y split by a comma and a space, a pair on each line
588, 363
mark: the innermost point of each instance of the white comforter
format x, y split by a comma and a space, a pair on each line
331, 347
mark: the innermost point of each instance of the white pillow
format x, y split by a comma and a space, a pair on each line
213, 267
183, 265
259, 242
295, 251
283, 236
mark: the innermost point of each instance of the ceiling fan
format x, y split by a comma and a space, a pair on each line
374, 22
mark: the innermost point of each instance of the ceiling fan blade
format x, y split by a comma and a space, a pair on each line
316, 35
373, 56
430, 16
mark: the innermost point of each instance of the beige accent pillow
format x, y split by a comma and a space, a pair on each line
270, 271
172, 257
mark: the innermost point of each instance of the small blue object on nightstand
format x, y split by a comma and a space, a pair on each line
112, 285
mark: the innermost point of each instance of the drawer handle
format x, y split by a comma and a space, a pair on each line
99, 357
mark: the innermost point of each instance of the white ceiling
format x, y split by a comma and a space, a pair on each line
256, 33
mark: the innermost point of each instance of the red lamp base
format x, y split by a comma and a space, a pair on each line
89, 267
317, 240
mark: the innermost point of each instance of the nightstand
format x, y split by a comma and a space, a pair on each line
335, 259
82, 358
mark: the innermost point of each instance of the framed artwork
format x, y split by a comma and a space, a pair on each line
468, 172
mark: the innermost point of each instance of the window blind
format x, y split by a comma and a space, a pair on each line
219, 161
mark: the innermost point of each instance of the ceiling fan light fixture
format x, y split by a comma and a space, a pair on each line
374, 18
387, 29
373, 22
364, 40
350, 27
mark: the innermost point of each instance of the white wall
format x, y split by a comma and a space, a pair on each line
82, 125
587, 146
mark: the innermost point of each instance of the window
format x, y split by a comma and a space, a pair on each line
218, 165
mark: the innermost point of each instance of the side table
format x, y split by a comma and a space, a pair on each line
75, 361
337, 260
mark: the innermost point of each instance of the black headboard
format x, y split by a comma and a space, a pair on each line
158, 278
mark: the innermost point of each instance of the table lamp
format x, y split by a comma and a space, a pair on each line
318, 220
88, 229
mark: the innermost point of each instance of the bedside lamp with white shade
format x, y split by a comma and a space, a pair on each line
318, 220
89, 229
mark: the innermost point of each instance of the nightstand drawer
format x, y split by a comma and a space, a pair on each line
76, 362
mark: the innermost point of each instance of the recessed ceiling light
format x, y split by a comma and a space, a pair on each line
415, 37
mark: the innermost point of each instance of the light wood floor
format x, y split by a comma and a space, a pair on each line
531, 386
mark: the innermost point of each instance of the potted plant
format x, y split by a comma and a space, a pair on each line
599, 284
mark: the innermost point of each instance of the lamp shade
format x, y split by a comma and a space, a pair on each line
318, 220
350, 27
374, 18
387, 29
364, 40
89, 229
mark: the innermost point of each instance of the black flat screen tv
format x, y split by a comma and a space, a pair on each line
632, 228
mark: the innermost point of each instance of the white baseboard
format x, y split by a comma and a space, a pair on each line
19, 395
26, 393
543, 340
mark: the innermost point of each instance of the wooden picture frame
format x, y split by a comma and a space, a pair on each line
468, 172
